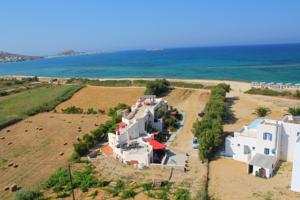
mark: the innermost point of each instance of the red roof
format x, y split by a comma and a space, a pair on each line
121, 125
156, 145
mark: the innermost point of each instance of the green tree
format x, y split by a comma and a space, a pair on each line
157, 87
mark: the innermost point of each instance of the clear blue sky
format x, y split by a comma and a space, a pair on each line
42, 27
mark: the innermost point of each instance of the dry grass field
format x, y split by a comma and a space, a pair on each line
36, 144
102, 97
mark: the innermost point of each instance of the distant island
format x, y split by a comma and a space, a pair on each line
70, 53
10, 57
6, 57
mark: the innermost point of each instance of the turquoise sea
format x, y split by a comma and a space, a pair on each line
278, 63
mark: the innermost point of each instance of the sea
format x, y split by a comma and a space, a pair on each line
265, 63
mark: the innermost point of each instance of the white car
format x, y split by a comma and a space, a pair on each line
195, 143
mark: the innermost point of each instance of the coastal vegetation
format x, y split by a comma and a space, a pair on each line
209, 129
27, 103
269, 92
295, 111
131, 83
262, 111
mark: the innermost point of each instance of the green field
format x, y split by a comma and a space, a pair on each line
30, 102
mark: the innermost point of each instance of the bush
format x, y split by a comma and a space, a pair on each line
103, 183
101, 111
262, 111
182, 194
91, 111
72, 110
297, 94
295, 111
267, 92
157, 87
28, 195
59, 181
81, 148
147, 186
130, 193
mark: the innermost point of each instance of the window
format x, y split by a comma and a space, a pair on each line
267, 136
239, 145
298, 134
253, 148
266, 151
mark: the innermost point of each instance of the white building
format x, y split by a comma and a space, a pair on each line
132, 141
264, 142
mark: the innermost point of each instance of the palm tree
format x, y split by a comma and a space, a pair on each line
262, 111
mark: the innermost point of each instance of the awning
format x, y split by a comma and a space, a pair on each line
156, 145
264, 161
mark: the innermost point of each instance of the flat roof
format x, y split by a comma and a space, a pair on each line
264, 161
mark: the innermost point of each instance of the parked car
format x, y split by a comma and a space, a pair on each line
195, 143
201, 114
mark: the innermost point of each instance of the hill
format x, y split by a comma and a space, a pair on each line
10, 57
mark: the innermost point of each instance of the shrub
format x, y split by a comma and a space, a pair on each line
130, 193
103, 183
157, 87
81, 148
27, 195
267, 92
91, 111
147, 186
59, 180
297, 94
120, 184
262, 111
295, 111
182, 194
186, 85
101, 111
72, 110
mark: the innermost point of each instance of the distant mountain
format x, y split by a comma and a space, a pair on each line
10, 57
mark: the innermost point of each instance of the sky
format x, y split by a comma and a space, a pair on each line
36, 27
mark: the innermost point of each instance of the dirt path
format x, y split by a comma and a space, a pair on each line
190, 102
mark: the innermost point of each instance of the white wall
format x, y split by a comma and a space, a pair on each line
288, 138
261, 143
238, 145
295, 186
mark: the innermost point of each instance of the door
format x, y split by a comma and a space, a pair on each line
250, 169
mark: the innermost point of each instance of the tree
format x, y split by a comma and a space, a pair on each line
295, 111
157, 87
262, 111
209, 130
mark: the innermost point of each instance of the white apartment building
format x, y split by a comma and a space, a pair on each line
264, 142
132, 141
